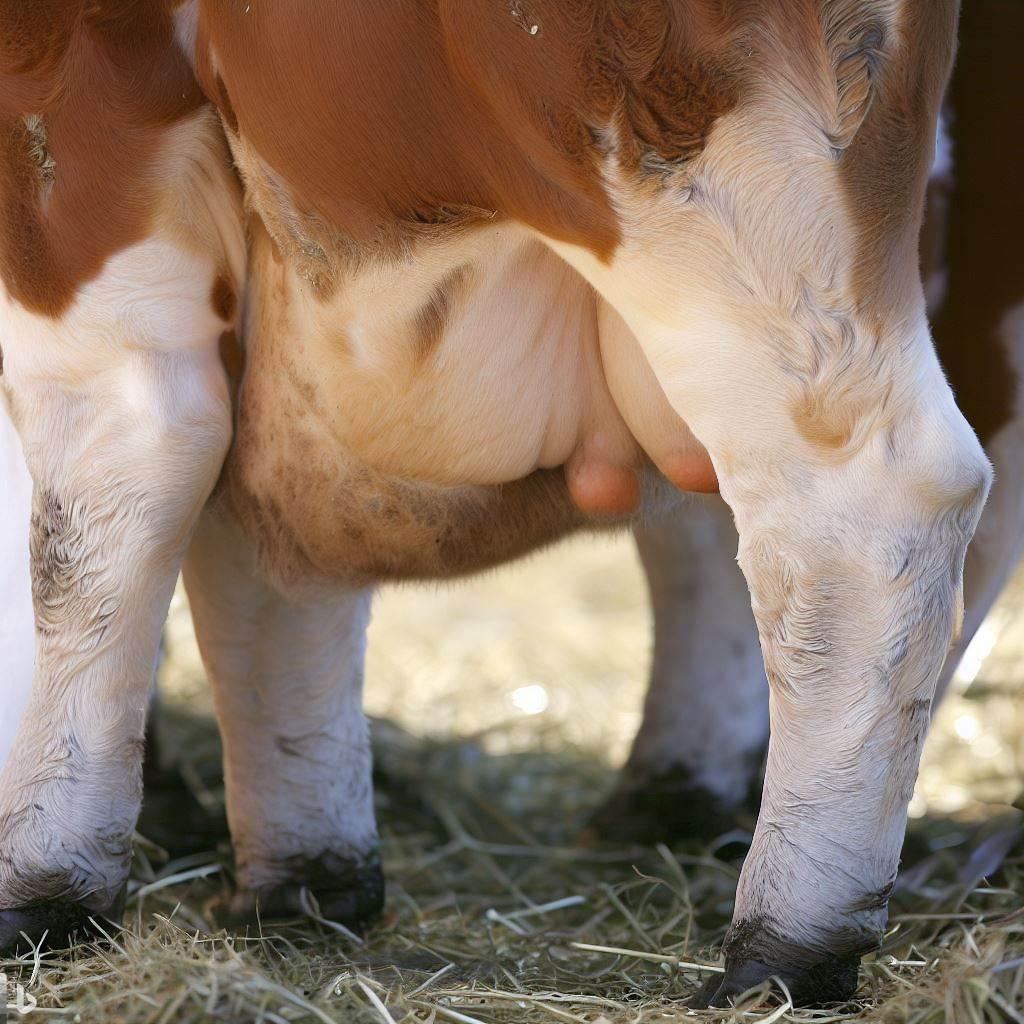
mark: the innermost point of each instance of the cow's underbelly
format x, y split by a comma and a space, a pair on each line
440, 416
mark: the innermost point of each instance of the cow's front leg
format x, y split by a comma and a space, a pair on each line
123, 448
705, 726
287, 674
855, 579
121, 404
856, 485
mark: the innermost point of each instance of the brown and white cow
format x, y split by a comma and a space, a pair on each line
495, 272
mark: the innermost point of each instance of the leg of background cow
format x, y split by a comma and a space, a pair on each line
705, 726
122, 408
287, 677
17, 631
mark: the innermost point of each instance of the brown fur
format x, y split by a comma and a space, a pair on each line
92, 192
222, 298
436, 122
432, 319
372, 117
883, 168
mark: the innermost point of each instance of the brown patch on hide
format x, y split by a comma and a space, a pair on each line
659, 75
433, 317
427, 132
984, 255
100, 83
820, 423
462, 111
884, 169
222, 298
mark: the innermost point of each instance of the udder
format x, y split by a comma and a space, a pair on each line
440, 416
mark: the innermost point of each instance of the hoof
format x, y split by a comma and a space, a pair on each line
831, 981
753, 955
350, 894
57, 924
664, 808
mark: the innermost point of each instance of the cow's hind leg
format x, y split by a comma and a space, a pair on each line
287, 676
122, 408
705, 726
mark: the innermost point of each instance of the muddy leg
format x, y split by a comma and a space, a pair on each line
705, 726
287, 677
121, 405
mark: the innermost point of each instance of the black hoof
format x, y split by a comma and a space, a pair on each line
56, 924
753, 954
349, 894
669, 807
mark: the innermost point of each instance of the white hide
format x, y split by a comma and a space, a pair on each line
853, 551
122, 408
706, 710
17, 630
287, 679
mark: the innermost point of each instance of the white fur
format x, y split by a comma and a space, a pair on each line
706, 710
287, 677
853, 551
17, 629
122, 410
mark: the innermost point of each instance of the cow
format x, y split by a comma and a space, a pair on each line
303, 299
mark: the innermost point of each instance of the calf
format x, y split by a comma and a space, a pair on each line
495, 273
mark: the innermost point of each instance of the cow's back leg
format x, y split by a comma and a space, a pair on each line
287, 675
17, 632
121, 404
705, 724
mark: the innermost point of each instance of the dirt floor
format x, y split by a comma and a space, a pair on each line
501, 708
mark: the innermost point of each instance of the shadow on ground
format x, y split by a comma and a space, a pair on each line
492, 907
